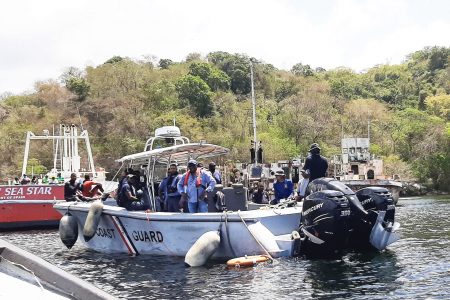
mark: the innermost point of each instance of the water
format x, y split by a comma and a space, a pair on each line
416, 267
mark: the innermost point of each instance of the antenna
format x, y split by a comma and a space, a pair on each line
174, 121
253, 108
79, 116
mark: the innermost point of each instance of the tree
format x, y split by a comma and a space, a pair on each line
215, 78
79, 87
439, 106
113, 60
302, 70
236, 66
165, 63
197, 93
75, 82
193, 57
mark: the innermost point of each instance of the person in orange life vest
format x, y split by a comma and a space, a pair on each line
91, 189
194, 185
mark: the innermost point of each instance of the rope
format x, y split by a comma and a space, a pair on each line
228, 233
26, 269
267, 253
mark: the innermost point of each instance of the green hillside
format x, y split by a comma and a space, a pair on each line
122, 101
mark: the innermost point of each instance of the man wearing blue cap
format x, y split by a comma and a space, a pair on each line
194, 185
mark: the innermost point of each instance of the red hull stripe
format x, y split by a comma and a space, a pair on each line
124, 235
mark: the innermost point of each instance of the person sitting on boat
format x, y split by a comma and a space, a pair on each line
315, 163
128, 197
90, 188
215, 173
259, 195
53, 180
169, 189
45, 179
59, 178
25, 179
194, 185
72, 190
16, 181
34, 180
283, 188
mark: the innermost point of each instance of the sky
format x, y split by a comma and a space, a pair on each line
39, 40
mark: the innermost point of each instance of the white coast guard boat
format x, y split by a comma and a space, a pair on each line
265, 231
332, 218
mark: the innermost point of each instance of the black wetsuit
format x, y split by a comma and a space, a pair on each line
317, 166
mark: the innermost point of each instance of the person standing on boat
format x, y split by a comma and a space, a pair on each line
72, 190
283, 188
194, 185
215, 173
315, 163
169, 189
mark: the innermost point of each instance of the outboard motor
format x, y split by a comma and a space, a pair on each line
371, 219
325, 224
379, 229
377, 199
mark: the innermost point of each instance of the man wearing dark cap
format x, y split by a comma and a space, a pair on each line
194, 185
315, 163
168, 189
215, 173
128, 197
283, 188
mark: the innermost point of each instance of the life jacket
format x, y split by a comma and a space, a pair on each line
198, 181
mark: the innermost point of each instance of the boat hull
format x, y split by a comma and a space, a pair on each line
29, 207
173, 234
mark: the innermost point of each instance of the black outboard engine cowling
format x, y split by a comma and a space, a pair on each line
376, 199
371, 214
324, 228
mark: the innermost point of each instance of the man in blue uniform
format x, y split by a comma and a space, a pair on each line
194, 185
128, 197
169, 189
283, 188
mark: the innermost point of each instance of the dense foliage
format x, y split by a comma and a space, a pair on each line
123, 101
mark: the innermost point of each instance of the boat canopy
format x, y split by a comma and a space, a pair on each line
177, 153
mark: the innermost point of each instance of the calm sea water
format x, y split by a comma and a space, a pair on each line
416, 267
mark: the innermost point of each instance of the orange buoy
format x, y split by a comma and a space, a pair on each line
247, 261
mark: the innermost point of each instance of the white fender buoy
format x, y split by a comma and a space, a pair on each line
92, 220
202, 249
265, 238
68, 230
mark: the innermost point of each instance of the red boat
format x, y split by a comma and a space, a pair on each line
29, 206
